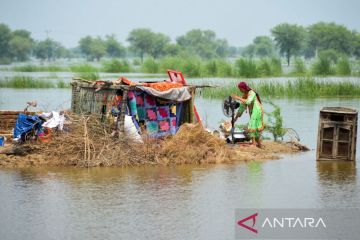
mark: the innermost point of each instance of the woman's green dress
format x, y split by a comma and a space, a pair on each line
256, 111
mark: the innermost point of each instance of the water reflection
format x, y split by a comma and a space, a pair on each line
338, 186
338, 172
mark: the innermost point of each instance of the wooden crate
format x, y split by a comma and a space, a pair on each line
337, 134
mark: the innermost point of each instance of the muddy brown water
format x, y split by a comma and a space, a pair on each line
183, 202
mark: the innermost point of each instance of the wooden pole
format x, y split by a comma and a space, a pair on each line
191, 106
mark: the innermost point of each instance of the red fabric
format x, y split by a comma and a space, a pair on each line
244, 86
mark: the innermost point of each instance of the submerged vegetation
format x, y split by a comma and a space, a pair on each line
196, 67
39, 68
305, 87
30, 82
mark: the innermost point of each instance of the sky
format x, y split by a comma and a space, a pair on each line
238, 21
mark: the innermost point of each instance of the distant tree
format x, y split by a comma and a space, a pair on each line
5, 37
222, 48
97, 48
21, 45
113, 47
48, 49
233, 51
141, 41
289, 39
356, 44
92, 48
262, 46
159, 42
85, 46
324, 36
172, 49
249, 51
308, 51
203, 43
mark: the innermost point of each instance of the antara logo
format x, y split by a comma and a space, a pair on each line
253, 217
288, 222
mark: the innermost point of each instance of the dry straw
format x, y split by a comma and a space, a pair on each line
88, 143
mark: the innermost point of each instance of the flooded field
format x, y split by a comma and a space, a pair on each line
183, 202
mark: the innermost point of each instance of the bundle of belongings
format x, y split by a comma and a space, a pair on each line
153, 108
41, 126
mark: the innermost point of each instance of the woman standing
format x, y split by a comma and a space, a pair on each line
251, 100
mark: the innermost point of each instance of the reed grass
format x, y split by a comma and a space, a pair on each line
150, 66
116, 66
30, 82
85, 71
37, 68
299, 68
305, 87
85, 67
343, 67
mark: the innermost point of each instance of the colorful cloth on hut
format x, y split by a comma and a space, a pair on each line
160, 119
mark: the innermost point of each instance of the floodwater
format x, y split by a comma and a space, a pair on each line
182, 202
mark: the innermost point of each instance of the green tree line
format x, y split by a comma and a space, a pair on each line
286, 40
292, 40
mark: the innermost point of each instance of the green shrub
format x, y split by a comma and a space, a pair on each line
274, 123
26, 82
299, 67
83, 68
36, 68
189, 66
323, 66
116, 66
264, 68
136, 62
85, 71
224, 69
211, 68
150, 66
62, 84
192, 67
92, 76
343, 67
246, 68
173, 63
276, 69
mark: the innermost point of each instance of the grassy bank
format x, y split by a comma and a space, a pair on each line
30, 82
306, 87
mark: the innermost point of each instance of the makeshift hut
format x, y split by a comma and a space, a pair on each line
159, 107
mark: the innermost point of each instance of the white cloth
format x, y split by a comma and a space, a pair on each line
131, 131
180, 94
56, 120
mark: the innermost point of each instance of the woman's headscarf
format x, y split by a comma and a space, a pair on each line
245, 87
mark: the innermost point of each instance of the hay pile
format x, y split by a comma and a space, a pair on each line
89, 143
192, 144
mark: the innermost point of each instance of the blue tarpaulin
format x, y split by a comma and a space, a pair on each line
25, 124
